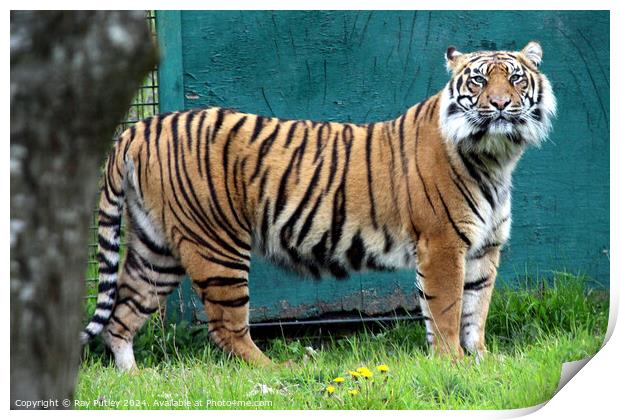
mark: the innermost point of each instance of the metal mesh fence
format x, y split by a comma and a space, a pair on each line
144, 104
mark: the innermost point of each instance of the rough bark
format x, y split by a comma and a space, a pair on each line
72, 77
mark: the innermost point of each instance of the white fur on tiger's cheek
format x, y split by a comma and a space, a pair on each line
454, 127
548, 107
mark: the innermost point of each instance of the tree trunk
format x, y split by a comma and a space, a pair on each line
72, 78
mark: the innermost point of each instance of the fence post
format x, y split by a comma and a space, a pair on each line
168, 24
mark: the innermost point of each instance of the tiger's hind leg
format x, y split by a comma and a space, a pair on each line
223, 288
149, 274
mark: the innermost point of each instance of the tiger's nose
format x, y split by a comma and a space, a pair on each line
499, 102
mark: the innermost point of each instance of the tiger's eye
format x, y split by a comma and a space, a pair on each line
480, 80
515, 78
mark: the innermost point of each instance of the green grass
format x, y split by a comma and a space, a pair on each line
530, 333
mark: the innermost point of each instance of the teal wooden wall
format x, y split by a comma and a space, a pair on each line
364, 66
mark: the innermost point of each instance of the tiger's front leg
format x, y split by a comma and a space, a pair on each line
481, 270
440, 277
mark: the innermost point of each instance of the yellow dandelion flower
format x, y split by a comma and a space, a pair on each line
383, 368
353, 392
364, 371
330, 389
355, 374
339, 379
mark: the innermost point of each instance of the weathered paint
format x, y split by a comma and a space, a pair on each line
365, 66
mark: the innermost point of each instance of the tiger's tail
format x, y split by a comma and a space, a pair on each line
111, 202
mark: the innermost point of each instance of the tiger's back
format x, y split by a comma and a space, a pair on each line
295, 191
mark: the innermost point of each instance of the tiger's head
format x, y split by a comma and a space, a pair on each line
496, 101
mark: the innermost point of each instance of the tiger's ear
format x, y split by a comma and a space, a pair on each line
452, 58
533, 52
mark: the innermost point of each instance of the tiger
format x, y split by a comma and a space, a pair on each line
429, 191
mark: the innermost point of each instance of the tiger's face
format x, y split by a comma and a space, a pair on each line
496, 101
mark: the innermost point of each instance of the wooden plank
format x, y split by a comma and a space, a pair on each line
171, 89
